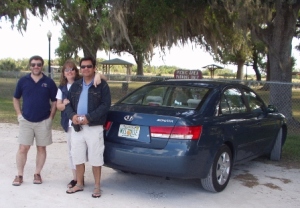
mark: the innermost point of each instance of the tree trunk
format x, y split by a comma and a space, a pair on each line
268, 71
139, 59
257, 72
255, 65
90, 52
279, 41
266, 86
240, 70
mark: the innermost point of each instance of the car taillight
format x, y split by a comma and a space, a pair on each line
107, 125
176, 132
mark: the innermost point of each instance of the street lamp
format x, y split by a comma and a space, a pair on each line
49, 34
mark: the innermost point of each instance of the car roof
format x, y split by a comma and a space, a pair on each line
197, 82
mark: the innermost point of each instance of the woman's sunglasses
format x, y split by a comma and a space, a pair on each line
69, 69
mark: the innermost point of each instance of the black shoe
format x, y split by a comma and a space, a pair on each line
72, 184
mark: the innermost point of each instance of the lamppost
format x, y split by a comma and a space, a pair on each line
49, 34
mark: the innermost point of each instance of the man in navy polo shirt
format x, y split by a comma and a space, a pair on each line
38, 94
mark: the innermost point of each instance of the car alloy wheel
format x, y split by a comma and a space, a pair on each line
220, 171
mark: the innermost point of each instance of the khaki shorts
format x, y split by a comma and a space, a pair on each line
41, 132
88, 145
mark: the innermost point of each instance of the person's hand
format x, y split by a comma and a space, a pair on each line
66, 101
20, 117
97, 79
83, 120
75, 119
80, 120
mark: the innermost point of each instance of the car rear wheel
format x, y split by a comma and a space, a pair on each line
219, 173
277, 148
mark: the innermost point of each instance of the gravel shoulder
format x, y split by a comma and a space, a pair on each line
259, 183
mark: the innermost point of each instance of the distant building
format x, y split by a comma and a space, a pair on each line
55, 69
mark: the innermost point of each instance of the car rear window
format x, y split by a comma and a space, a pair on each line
168, 96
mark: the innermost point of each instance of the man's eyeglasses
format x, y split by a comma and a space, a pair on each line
69, 69
34, 64
88, 66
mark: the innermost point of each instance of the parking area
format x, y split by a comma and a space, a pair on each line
255, 184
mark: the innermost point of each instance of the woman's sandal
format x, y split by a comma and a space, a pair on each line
96, 194
73, 183
37, 179
17, 181
72, 191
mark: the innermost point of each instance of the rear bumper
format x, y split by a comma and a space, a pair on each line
175, 160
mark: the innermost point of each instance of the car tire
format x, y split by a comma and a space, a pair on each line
220, 171
276, 151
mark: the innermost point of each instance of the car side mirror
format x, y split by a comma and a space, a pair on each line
271, 109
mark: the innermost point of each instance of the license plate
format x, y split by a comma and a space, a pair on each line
129, 131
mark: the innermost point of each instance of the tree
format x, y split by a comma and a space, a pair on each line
134, 25
271, 21
67, 49
16, 11
227, 42
22, 64
275, 25
8, 65
259, 51
82, 22
166, 23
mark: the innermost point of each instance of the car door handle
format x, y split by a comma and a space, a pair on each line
258, 124
236, 126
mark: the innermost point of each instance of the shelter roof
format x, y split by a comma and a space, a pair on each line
115, 61
214, 66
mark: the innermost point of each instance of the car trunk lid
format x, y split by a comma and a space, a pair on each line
131, 126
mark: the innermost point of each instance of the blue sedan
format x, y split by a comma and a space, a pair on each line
191, 129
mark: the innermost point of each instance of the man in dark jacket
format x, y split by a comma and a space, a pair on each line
88, 109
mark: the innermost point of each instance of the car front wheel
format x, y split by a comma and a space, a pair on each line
219, 173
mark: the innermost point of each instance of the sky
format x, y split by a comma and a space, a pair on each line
34, 41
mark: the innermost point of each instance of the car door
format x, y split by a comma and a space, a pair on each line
264, 131
238, 123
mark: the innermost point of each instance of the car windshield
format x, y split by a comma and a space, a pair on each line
168, 96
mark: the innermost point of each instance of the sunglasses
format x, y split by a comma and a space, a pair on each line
88, 66
34, 64
69, 69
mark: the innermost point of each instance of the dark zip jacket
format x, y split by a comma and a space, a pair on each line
99, 101
64, 121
